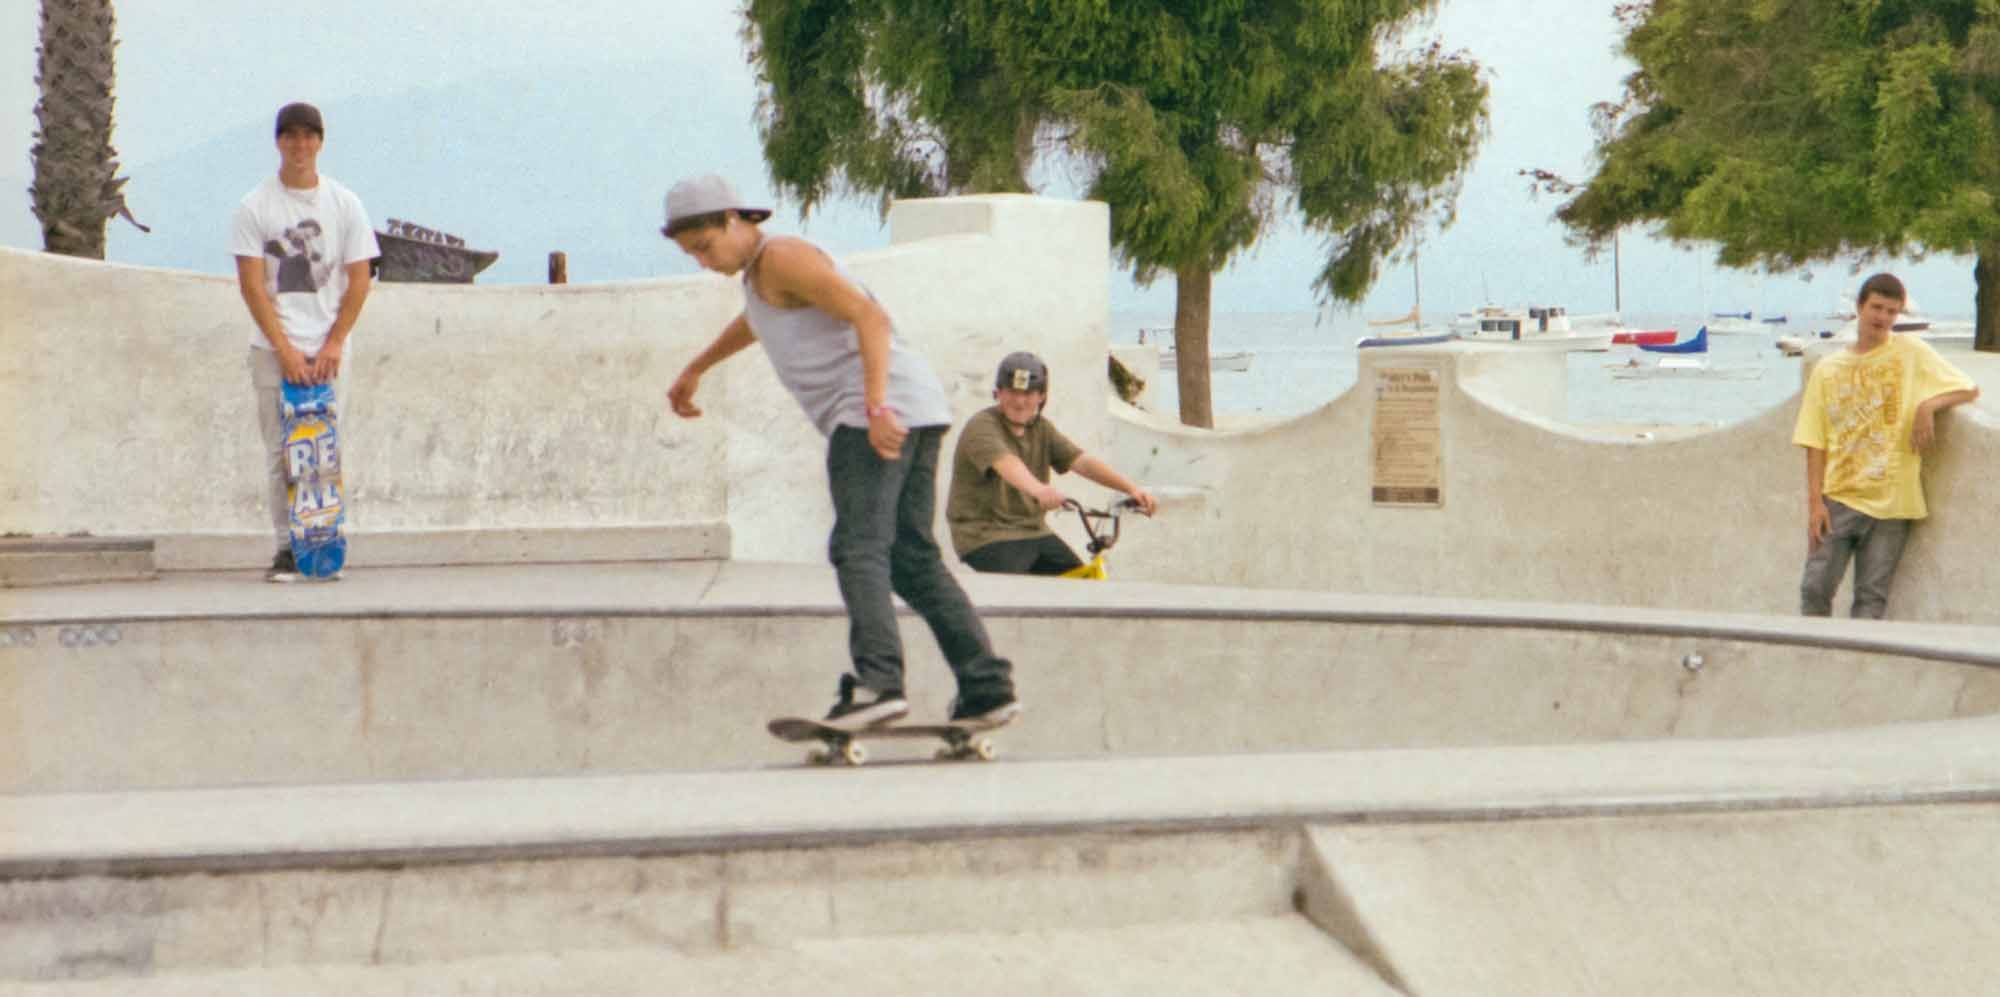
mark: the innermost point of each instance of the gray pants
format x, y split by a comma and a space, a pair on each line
882, 542
1875, 545
265, 380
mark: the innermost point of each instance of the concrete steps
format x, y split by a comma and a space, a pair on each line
1280, 955
1801, 864
37, 561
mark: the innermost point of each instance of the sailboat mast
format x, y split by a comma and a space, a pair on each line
1417, 273
1617, 280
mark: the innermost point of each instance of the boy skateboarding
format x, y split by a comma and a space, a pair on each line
883, 412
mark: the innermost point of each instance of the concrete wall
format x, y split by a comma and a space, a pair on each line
200, 702
127, 407
525, 408
1534, 509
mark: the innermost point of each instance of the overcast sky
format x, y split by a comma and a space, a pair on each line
190, 70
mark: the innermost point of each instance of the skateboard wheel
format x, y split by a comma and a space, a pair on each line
853, 754
984, 749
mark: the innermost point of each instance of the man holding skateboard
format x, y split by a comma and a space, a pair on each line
884, 413
302, 243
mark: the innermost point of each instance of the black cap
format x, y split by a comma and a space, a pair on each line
300, 115
1022, 372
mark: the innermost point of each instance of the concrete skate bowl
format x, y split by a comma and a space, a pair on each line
192, 700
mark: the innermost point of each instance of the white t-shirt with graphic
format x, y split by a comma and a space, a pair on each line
306, 238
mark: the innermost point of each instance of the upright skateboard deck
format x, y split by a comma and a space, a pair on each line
962, 742
312, 475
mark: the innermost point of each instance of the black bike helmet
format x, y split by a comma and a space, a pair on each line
1022, 372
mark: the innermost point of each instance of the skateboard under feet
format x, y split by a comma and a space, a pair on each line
962, 742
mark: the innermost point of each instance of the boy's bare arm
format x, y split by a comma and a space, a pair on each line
735, 338
1104, 474
264, 311
1923, 428
1014, 471
1818, 521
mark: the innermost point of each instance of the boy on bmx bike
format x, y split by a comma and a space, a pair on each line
1000, 491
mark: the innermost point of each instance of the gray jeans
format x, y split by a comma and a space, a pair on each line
1875, 545
265, 380
882, 542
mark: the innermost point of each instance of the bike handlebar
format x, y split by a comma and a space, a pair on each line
1100, 540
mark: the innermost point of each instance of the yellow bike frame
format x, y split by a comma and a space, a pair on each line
1094, 571
1100, 540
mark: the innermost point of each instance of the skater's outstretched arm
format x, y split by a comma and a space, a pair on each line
736, 337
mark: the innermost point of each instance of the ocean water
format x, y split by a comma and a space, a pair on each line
1302, 360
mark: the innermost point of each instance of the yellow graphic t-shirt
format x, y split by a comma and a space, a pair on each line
1859, 407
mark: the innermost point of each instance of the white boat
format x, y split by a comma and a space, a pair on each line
1530, 328
1163, 337
1407, 330
1232, 360
1912, 320
1743, 325
1948, 331
1416, 336
1681, 366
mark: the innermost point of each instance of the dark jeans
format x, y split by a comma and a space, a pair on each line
1043, 555
1875, 545
882, 514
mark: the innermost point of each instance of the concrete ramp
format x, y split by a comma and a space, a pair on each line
1088, 913
212, 679
1864, 900
1274, 955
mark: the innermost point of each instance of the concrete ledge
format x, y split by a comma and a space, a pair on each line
132, 833
407, 548
217, 679
74, 561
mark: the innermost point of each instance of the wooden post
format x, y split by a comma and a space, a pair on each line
558, 268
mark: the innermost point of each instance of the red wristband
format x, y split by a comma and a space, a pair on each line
874, 410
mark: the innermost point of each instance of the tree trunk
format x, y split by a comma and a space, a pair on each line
1986, 298
1191, 287
76, 187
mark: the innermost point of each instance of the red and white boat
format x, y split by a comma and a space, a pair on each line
1644, 337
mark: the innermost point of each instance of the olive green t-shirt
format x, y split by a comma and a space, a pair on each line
982, 507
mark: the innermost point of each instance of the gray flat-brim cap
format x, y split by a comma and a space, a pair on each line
706, 195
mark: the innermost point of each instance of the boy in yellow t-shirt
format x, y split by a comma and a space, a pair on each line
1867, 415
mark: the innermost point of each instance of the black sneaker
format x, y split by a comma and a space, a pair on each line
860, 707
283, 568
985, 709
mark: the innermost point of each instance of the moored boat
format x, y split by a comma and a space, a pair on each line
1535, 327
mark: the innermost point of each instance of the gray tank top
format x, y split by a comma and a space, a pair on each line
818, 359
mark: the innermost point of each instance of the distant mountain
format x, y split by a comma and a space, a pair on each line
521, 165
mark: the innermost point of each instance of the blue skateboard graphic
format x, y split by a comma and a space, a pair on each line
312, 475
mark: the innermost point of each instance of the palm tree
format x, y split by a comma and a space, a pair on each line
76, 187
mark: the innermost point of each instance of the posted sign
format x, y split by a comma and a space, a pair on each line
1409, 453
